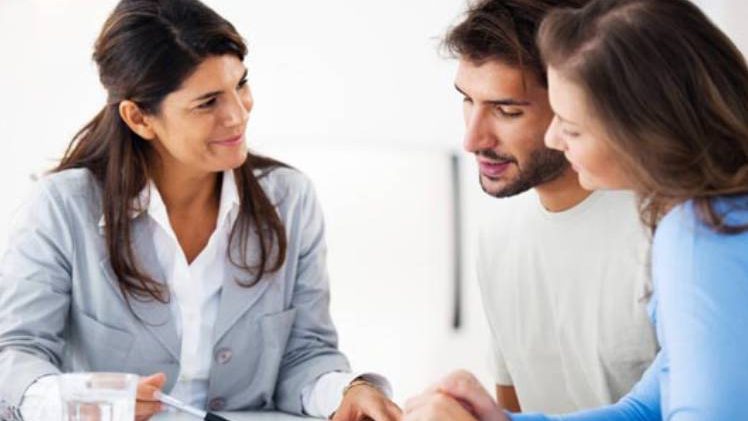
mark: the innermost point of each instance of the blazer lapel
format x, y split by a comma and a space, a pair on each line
236, 299
155, 316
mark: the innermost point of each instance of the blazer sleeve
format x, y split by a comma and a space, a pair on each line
312, 348
35, 277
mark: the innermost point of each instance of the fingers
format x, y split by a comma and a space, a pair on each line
382, 410
342, 413
464, 387
438, 387
459, 396
424, 398
146, 404
418, 401
148, 385
147, 409
436, 407
445, 386
157, 379
366, 403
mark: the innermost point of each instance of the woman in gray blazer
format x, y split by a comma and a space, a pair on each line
160, 246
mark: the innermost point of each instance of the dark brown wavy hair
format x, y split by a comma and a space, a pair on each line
671, 90
503, 30
146, 49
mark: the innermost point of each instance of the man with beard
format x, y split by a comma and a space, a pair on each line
563, 271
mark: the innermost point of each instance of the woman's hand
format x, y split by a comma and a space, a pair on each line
146, 405
459, 397
366, 402
436, 406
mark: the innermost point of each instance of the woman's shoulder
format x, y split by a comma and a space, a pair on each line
679, 220
683, 239
283, 183
685, 221
75, 190
71, 182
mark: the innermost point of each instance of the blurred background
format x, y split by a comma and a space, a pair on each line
357, 95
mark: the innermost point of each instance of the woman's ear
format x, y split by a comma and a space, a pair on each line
136, 120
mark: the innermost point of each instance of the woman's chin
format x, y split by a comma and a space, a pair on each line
235, 160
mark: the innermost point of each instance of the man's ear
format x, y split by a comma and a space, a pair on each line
136, 120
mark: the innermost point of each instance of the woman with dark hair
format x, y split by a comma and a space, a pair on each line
160, 246
650, 96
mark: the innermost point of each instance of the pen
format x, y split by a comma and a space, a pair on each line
176, 403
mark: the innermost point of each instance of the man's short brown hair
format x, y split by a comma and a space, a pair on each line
504, 30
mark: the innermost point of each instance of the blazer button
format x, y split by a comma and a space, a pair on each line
217, 404
224, 355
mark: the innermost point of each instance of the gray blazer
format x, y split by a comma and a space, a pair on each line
61, 308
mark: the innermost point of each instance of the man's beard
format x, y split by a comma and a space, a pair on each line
544, 165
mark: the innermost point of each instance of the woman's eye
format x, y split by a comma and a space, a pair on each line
207, 104
570, 133
242, 84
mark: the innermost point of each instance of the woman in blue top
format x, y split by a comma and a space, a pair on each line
649, 95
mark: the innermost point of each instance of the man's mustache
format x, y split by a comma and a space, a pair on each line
494, 156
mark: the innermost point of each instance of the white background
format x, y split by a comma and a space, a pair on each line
353, 92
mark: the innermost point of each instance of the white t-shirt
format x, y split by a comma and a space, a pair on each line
566, 295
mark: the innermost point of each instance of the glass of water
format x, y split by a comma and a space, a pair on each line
98, 396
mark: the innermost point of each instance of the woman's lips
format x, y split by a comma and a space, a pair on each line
573, 165
232, 141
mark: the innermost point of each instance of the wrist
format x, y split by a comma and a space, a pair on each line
360, 382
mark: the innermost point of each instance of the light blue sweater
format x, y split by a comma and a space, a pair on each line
700, 310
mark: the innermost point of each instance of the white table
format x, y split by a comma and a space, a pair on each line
232, 416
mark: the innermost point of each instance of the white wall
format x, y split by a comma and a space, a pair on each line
730, 15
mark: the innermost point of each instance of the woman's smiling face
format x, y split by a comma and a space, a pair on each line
201, 125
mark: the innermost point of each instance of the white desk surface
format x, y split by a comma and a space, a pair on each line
232, 416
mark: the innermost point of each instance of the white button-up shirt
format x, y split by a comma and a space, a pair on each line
195, 288
194, 303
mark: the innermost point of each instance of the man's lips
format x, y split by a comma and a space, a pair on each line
493, 169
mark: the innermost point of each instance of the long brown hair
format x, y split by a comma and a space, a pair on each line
671, 90
146, 49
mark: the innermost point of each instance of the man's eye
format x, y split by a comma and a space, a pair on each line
509, 112
242, 84
570, 133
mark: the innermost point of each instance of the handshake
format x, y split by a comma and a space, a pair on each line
458, 397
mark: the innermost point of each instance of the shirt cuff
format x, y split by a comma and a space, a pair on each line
41, 401
323, 397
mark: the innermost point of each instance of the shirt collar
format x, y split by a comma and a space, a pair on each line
229, 197
149, 200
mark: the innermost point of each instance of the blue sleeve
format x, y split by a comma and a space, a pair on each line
702, 282
701, 373
642, 404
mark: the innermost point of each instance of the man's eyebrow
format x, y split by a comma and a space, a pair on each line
503, 101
